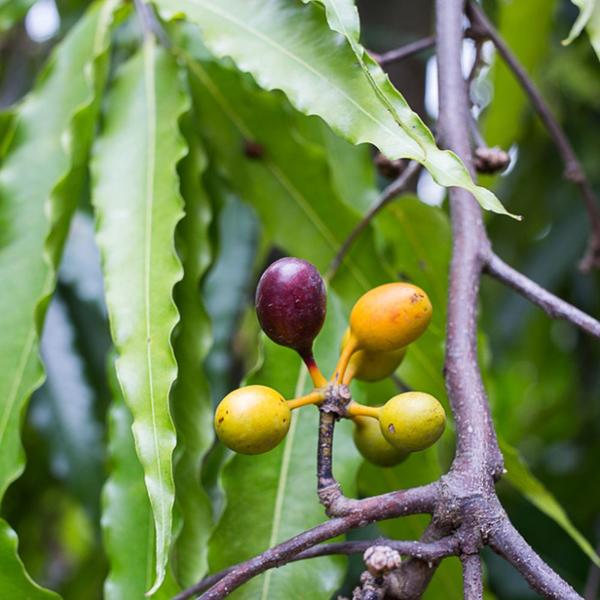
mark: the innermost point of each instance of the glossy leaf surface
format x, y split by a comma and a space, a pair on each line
289, 47
138, 204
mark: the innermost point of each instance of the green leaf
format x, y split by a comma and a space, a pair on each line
191, 403
138, 205
291, 186
127, 523
298, 197
590, 18
272, 496
14, 581
289, 47
40, 183
519, 475
445, 167
586, 11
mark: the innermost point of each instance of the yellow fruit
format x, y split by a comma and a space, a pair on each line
412, 421
373, 446
390, 317
252, 419
372, 366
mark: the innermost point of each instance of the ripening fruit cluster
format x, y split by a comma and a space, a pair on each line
291, 306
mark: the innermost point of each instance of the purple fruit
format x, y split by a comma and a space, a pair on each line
291, 303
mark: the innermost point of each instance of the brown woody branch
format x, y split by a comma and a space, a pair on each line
573, 169
433, 551
405, 51
389, 193
549, 303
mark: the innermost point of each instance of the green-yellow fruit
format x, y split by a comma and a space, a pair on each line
373, 446
390, 317
412, 421
372, 366
252, 419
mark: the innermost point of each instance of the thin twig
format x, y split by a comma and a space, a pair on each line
429, 552
573, 169
549, 303
403, 52
414, 501
388, 194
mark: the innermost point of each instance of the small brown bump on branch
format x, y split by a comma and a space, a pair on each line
388, 168
573, 169
381, 559
490, 160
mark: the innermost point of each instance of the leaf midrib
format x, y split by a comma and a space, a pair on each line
150, 91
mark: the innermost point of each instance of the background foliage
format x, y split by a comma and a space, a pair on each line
138, 155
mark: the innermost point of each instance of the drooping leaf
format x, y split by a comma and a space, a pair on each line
295, 198
138, 205
586, 13
272, 496
290, 47
40, 183
190, 400
519, 476
297, 195
589, 17
127, 522
14, 581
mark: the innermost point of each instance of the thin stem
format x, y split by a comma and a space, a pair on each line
315, 397
549, 303
325, 477
361, 410
416, 573
573, 170
430, 552
414, 501
386, 196
405, 51
347, 352
472, 577
317, 377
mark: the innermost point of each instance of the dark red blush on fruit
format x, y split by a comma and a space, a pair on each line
291, 303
